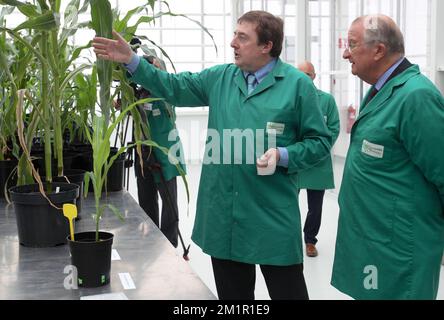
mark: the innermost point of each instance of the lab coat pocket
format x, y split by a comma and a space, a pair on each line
374, 153
278, 122
373, 219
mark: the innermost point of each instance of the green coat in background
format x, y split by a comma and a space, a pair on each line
161, 119
320, 177
390, 238
242, 216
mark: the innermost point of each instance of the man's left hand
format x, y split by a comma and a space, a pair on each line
266, 164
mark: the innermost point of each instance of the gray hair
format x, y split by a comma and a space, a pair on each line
382, 29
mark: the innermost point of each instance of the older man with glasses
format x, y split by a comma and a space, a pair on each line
391, 224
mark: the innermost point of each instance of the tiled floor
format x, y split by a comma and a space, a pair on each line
317, 270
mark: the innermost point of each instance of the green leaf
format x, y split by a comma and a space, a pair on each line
27, 9
45, 22
76, 54
5, 12
28, 45
161, 49
132, 30
152, 3
57, 4
102, 18
14, 3
102, 22
119, 26
72, 74
86, 179
84, 7
43, 5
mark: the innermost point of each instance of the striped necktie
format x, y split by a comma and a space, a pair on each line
251, 82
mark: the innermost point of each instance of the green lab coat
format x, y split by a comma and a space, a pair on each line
161, 120
242, 216
320, 177
390, 238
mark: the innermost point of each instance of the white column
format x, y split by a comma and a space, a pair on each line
437, 42
302, 31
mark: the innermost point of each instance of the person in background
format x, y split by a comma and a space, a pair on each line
245, 219
390, 236
320, 177
158, 176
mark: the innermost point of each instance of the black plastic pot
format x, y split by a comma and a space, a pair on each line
92, 259
6, 168
114, 179
38, 223
84, 159
75, 176
39, 162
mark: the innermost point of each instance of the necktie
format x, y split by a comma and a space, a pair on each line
251, 82
371, 95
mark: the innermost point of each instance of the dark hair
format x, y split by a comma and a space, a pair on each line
135, 44
135, 41
268, 28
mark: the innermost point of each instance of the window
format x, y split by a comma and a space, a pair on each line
188, 45
329, 21
286, 9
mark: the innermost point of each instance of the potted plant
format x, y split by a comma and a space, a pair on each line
40, 222
91, 250
45, 45
38, 225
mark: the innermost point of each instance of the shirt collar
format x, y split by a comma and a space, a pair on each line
264, 71
387, 75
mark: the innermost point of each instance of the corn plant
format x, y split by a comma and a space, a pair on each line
102, 162
77, 116
47, 43
104, 19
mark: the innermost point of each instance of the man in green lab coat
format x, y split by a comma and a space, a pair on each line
262, 108
319, 178
390, 237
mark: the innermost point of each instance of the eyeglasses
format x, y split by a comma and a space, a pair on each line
351, 46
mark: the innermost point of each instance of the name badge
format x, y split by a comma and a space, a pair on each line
373, 150
147, 106
156, 112
275, 128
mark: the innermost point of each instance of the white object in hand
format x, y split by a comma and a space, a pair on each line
269, 163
